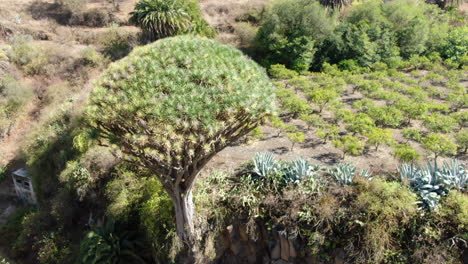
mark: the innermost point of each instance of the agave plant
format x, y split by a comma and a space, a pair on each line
432, 182
297, 170
456, 172
343, 173
264, 164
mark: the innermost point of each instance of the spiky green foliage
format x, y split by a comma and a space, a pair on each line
165, 18
344, 173
432, 182
264, 164
298, 170
112, 244
172, 105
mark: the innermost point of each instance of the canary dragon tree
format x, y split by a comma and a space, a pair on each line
172, 105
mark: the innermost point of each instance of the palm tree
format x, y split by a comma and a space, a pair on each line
161, 18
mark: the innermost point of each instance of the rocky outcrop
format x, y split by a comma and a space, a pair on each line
268, 247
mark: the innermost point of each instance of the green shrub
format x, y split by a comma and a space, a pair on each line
114, 243
281, 72
388, 207
92, 57
322, 96
246, 32
406, 153
439, 145
116, 42
386, 116
440, 123
359, 123
378, 136
456, 46
462, 140
349, 145
291, 31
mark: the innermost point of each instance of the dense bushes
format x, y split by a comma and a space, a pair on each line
292, 31
302, 34
375, 220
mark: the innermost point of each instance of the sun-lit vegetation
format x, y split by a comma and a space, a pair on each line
326, 131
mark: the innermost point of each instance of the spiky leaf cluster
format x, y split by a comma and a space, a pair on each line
175, 103
432, 182
165, 18
266, 169
344, 173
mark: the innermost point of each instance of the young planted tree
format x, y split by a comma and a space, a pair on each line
406, 153
378, 136
296, 138
359, 123
349, 145
322, 97
328, 132
462, 140
172, 105
439, 145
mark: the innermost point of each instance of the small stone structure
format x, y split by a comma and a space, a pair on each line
23, 186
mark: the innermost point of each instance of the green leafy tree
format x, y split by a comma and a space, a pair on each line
291, 31
359, 123
406, 153
456, 45
458, 99
321, 97
282, 127
296, 138
439, 145
412, 109
170, 107
437, 122
328, 132
412, 134
312, 120
388, 116
461, 118
280, 71
349, 145
462, 140
378, 136
165, 18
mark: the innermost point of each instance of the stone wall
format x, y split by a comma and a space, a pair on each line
253, 244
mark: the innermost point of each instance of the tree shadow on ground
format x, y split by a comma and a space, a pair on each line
328, 158
279, 150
